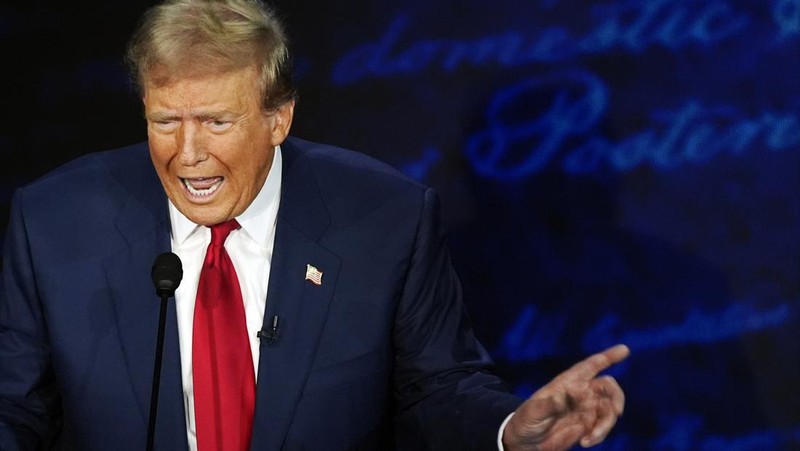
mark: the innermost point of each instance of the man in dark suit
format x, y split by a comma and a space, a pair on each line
373, 351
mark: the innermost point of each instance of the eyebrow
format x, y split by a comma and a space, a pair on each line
161, 116
201, 115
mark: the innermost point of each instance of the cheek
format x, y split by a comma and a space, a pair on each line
238, 157
161, 165
161, 151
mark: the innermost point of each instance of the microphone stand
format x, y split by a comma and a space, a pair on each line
166, 273
162, 321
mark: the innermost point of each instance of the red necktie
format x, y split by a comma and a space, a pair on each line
222, 366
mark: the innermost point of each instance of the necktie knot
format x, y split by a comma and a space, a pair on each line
220, 232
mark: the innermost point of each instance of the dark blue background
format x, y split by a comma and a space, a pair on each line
610, 171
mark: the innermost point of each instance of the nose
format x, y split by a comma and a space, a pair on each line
190, 144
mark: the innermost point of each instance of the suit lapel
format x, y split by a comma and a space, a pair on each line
144, 225
301, 305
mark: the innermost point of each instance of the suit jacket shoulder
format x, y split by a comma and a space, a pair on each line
85, 198
351, 184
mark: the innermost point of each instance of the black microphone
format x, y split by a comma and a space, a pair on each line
269, 336
167, 273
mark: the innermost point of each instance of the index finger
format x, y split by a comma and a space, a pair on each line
593, 365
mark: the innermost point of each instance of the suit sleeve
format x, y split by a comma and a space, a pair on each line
28, 394
447, 396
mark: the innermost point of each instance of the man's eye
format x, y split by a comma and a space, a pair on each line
165, 126
219, 126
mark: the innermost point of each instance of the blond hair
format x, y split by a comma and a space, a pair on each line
182, 38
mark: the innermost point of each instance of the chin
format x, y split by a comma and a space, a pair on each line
201, 216
207, 221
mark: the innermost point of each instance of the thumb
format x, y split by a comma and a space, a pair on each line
533, 421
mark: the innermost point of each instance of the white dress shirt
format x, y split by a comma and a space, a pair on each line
250, 250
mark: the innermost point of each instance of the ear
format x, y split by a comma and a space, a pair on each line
282, 122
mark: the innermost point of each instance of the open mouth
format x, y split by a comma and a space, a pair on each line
202, 186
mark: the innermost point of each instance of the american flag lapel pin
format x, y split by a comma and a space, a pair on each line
313, 275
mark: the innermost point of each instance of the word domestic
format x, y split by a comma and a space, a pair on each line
627, 26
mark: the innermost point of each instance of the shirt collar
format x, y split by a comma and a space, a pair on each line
257, 221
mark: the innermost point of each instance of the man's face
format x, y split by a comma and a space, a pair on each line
211, 142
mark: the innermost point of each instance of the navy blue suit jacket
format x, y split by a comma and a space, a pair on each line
380, 355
